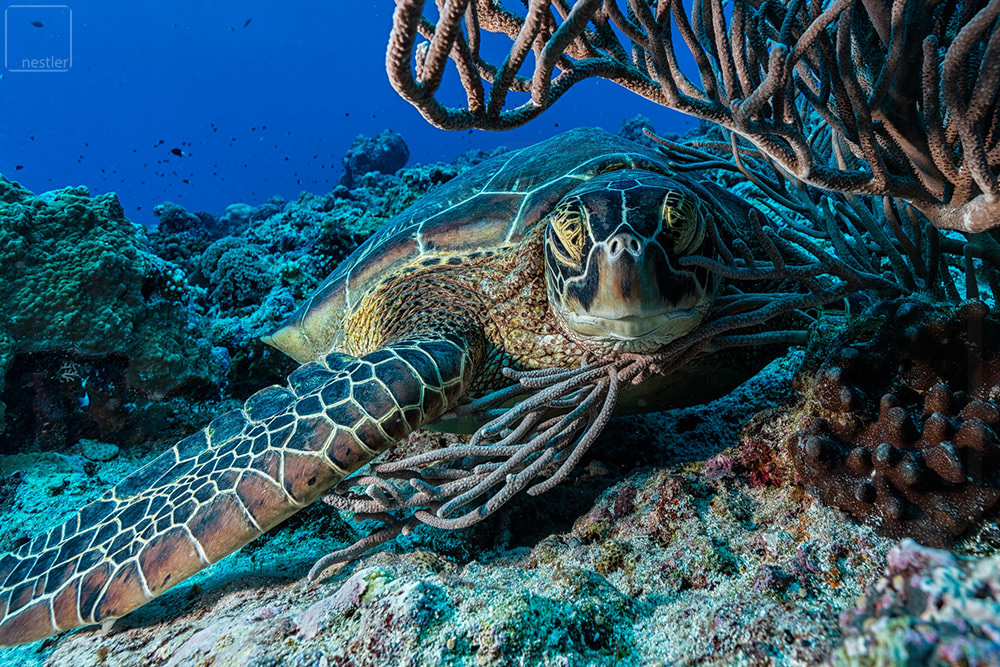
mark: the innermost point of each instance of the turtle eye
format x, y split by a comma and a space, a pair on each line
566, 240
683, 223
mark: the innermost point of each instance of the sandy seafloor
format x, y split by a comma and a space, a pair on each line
684, 540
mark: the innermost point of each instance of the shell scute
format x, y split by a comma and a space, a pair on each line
191, 445
96, 512
42, 564
268, 402
488, 208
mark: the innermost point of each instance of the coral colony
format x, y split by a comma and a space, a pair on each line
832, 222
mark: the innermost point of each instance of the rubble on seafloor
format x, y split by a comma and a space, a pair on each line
686, 537
650, 554
930, 607
674, 548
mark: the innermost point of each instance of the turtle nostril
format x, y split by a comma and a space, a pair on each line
619, 243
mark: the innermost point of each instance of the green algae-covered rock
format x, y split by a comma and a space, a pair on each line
77, 278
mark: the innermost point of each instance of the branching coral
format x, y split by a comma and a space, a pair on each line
859, 229
861, 96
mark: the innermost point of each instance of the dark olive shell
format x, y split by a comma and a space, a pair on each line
490, 207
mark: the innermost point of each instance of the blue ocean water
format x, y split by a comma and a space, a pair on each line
206, 104
687, 554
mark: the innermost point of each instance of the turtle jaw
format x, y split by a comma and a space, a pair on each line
640, 334
655, 327
631, 300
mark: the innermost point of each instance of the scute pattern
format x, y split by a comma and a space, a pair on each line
431, 308
216, 490
487, 209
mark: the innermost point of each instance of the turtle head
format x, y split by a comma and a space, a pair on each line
611, 270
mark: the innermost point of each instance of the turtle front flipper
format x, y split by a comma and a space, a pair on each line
218, 489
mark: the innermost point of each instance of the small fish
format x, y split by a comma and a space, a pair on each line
247, 22
37, 24
178, 152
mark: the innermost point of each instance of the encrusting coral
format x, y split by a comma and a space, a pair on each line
78, 280
901, 418
930, 608
239, 273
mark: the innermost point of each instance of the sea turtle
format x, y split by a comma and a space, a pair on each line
532, 259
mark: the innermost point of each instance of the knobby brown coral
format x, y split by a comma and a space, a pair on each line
902, 421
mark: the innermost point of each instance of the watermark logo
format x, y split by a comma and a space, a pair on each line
38, 38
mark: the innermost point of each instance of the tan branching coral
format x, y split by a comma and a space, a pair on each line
861, 96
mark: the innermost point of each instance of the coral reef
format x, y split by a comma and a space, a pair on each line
90, 305
635, 128
930, 608
239, 273
385, 153
110, 319
180, 235
173, 219
902, 419
236, 217
714, 556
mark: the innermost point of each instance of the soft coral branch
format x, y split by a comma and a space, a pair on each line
776, 73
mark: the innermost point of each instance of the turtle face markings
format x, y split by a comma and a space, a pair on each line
428, 310
611, 250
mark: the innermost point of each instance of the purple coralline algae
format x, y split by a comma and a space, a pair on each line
930, 608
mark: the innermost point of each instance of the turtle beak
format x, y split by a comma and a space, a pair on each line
630, 290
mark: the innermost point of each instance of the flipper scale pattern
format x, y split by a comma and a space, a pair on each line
221, 487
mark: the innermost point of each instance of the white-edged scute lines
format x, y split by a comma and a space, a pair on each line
507, 179
156, 508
